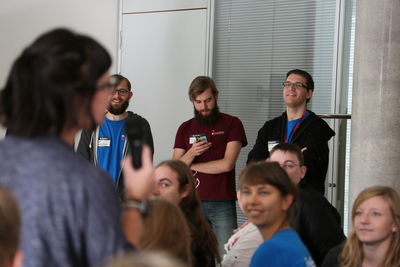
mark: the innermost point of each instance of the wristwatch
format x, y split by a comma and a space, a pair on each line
141, 206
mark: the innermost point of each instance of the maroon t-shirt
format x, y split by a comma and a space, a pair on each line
228, 128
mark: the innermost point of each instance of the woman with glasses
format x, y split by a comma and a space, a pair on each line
71, 215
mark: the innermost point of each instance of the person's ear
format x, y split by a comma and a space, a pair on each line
130, 95
287, 202
394, 228
303, 170
309, 93
185, 192
238, 197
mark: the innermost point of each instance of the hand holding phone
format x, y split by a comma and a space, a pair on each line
135, 133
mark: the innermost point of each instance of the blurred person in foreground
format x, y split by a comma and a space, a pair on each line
70, 209
146, 259
165, 228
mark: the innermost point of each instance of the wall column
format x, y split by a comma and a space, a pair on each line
375, 141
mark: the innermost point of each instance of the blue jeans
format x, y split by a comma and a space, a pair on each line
222, 215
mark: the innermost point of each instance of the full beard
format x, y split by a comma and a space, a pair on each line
208, 119
119, 110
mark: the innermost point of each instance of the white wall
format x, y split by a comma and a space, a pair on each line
161, 57
22, 21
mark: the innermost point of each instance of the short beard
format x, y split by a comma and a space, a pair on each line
120, 110
209, 119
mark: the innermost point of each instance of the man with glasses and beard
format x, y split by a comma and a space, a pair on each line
106, 146
210, 144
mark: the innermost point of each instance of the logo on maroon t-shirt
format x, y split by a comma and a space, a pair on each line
217, 132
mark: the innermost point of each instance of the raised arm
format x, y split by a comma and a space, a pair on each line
139, 184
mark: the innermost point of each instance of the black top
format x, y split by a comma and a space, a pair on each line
313, 134
317, 222
332, 258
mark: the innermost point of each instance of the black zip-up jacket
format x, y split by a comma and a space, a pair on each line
313, 133
317, 222
87, 146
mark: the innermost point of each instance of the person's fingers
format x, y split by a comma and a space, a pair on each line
146, 156
126, 161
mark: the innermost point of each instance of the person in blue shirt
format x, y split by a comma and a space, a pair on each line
267, 195
106, 146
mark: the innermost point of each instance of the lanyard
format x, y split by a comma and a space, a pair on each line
294, 129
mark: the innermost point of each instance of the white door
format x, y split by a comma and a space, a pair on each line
162, 51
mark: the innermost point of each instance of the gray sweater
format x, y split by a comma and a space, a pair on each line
70, 209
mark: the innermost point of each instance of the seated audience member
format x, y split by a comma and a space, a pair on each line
267, 195
241, 245
146, 259
375, 239
165, 228
10, 224
315, 220
70, 210
174, 182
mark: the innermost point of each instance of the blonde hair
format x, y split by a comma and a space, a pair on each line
10, 224
352, 252
165, 228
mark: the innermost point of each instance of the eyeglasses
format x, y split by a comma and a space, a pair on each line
108, 85
121, 92
289, 166
102, 86
296, 85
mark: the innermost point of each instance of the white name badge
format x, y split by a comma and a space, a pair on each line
271, 144
104, 142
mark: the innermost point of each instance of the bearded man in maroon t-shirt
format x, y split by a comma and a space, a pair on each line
210, 144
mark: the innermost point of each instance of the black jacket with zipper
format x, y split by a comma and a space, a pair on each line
313, 133
317, 222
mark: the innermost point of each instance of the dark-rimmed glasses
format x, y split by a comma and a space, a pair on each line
295, 85
121, 92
